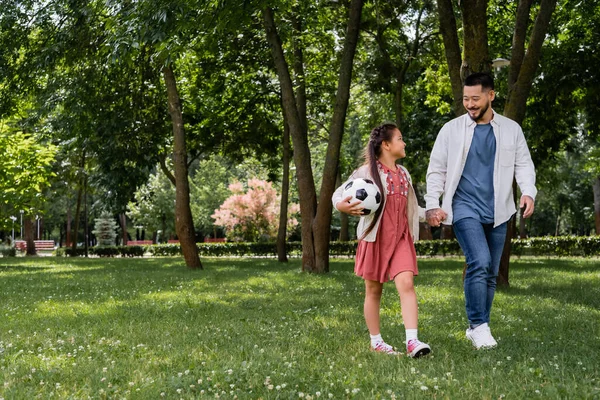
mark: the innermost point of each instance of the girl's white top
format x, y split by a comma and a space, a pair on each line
414, 213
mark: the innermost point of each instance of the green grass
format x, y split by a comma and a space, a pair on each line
252, 328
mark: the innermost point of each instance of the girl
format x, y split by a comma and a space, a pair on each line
385, 249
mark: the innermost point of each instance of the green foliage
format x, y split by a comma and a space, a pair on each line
103, 251
562, 246
154, 205
105, 229
544, 246
208, 190
24, 172
7, 251
106, 251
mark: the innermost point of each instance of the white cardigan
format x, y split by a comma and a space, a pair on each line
414, 212
449, 156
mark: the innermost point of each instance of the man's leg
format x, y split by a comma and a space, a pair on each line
495, 239
472, 239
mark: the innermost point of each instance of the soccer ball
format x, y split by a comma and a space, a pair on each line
365, 191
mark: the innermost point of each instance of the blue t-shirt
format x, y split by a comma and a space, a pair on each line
474, 197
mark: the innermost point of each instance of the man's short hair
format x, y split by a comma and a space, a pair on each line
480, 78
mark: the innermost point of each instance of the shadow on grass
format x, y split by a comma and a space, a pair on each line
574, 291
541, 265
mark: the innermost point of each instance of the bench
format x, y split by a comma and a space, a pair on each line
173, 241
40, 245
138, 242
215, 240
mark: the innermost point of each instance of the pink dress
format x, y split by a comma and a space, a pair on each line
393, 250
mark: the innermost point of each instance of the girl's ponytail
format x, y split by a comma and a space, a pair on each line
371, 154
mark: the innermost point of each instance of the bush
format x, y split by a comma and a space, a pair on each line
543, 246
8, 251
105, 251
561, 246
132, 251
70, 252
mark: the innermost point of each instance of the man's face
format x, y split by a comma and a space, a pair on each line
477, 101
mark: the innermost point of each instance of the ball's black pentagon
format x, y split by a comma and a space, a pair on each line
349, 185
369, 181
366, 211
378, 197
361, 194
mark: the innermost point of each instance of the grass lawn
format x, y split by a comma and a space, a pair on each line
252, 328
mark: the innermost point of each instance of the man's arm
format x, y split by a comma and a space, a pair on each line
524, 168
437, 170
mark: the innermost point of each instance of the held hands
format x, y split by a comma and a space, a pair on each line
350, 208
529, 204
435, 216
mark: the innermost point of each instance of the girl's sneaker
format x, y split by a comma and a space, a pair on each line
383, 347
415, 348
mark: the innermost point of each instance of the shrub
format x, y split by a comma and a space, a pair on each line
131, 251
105, 251
542, 246
8, 251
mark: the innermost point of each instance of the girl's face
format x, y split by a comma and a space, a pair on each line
396, 146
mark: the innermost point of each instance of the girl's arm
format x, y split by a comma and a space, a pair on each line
343, 204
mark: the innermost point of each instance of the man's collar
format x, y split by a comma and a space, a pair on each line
471, 122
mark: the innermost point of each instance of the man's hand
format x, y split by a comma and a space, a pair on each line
350, 208
529, 205
435, 216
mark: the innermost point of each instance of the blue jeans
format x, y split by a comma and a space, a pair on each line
482, 245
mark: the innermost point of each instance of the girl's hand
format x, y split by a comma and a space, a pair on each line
350, 208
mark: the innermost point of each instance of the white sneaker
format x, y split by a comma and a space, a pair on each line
481, 337
492, 342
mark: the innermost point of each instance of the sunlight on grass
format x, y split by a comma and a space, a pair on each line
254, 328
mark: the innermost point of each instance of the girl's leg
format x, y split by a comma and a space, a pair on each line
408, 299
373, 291
410, 314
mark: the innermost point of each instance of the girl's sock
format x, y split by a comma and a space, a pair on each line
375, 340
411, 334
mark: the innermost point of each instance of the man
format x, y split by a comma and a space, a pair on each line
473, 162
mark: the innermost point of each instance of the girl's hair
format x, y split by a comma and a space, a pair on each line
372, 152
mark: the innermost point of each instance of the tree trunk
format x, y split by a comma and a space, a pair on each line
316, 221
301, 154
475, 38
285, 189
522, 227
522, 71
29, 231
68, 233
344, 220
77, 216
299, 81
322, 223
184, 223
78, 207
86, 235
597, 203
452, 51
123, 223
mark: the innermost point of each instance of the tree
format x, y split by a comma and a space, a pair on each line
251, 215
153, 206
105, 229
522, 69
25, 171
315, 216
